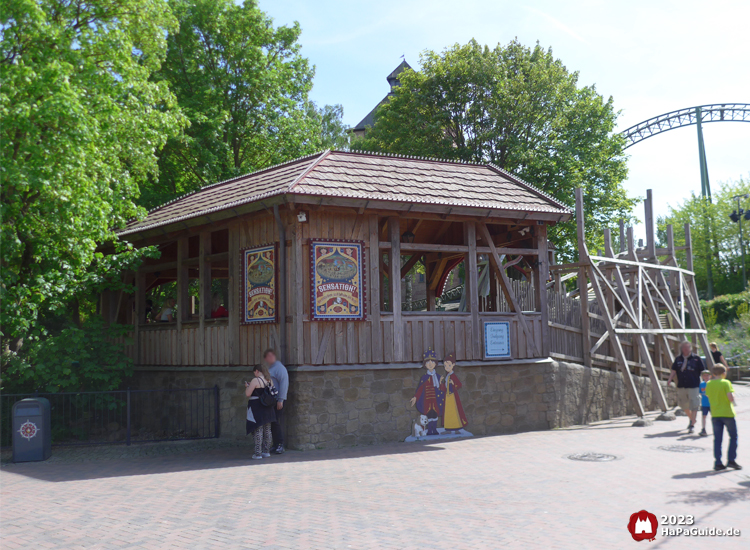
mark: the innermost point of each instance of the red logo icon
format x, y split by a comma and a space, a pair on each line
643, 525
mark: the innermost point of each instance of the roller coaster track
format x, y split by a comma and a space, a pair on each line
737, 112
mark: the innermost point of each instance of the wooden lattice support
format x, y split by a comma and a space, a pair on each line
631, 289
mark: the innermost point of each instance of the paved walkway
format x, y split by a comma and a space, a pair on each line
514, 491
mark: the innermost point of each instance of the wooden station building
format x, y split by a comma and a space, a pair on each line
303, 256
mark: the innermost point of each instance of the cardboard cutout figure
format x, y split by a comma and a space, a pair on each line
429, 398
454, 419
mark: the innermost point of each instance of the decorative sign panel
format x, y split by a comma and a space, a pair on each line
258, 284
337, 280
497, 340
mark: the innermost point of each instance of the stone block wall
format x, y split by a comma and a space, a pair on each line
338, 408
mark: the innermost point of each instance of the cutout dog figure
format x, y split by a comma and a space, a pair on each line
420, 427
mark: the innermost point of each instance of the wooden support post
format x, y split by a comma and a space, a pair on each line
140, 310
281, 285
233, 323
583, 291
609, 252
689, 265
375, 290
204, 294
394, 229
471, 284
650, 238
507, 290
622, 236
183, 298
298, 277
542, 274
428, 271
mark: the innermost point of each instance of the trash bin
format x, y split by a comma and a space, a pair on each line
32, 433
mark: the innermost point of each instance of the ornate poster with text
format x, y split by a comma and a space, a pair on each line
258, 280
337, 280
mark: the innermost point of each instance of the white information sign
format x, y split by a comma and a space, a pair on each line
497, 340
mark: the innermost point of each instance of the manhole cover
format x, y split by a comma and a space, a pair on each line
592, 457
681, 449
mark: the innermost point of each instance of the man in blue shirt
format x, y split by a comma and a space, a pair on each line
687, 367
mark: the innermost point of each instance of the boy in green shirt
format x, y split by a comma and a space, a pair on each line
720, 395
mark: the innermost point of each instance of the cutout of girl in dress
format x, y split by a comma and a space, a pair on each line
454, 419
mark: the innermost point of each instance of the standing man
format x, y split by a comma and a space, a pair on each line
280, 378
687, 367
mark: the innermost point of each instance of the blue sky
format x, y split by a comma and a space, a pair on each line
651, 56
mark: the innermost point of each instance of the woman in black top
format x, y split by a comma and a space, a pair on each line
717, 355
259, 417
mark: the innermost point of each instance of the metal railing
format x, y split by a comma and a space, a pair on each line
124, 416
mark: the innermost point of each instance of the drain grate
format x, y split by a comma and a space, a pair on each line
592, 457
681, 449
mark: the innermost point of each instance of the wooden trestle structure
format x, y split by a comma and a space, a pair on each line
640, 298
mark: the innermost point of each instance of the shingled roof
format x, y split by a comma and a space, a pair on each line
367, 176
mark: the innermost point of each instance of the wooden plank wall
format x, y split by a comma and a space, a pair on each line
328, 342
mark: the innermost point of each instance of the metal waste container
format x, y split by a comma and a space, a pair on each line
32, 433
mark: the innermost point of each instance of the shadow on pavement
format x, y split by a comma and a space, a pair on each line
698, 475
724, 497
231, 457
674, 433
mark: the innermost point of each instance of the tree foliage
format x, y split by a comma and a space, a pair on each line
81, 123
724, 244
244, 86
519, 108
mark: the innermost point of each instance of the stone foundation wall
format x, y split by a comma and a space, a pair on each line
337, 408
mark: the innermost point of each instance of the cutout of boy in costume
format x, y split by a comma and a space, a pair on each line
429, 398
454, 418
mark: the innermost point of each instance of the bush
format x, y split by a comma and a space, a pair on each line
89, 358
725, 307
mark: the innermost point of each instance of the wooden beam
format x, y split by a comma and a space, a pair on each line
373, 287
409, 264
506, 288
470, 286
140, 310
649, 218
542, 274
204, 293
233, 323
394, 230
298, 296
619, 353
282, 285
457, 248
583, 292
183, 298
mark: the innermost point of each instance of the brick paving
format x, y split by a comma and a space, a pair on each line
511, 491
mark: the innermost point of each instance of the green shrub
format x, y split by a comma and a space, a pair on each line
725, 307
89, 358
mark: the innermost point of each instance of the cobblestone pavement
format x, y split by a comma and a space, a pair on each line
512, 491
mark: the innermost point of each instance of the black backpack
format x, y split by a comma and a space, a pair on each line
270, 395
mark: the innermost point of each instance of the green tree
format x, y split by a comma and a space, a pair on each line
521, 109
81, 125
727, 256
244, 86
333, 132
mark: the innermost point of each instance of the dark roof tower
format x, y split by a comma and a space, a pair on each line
393, 82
